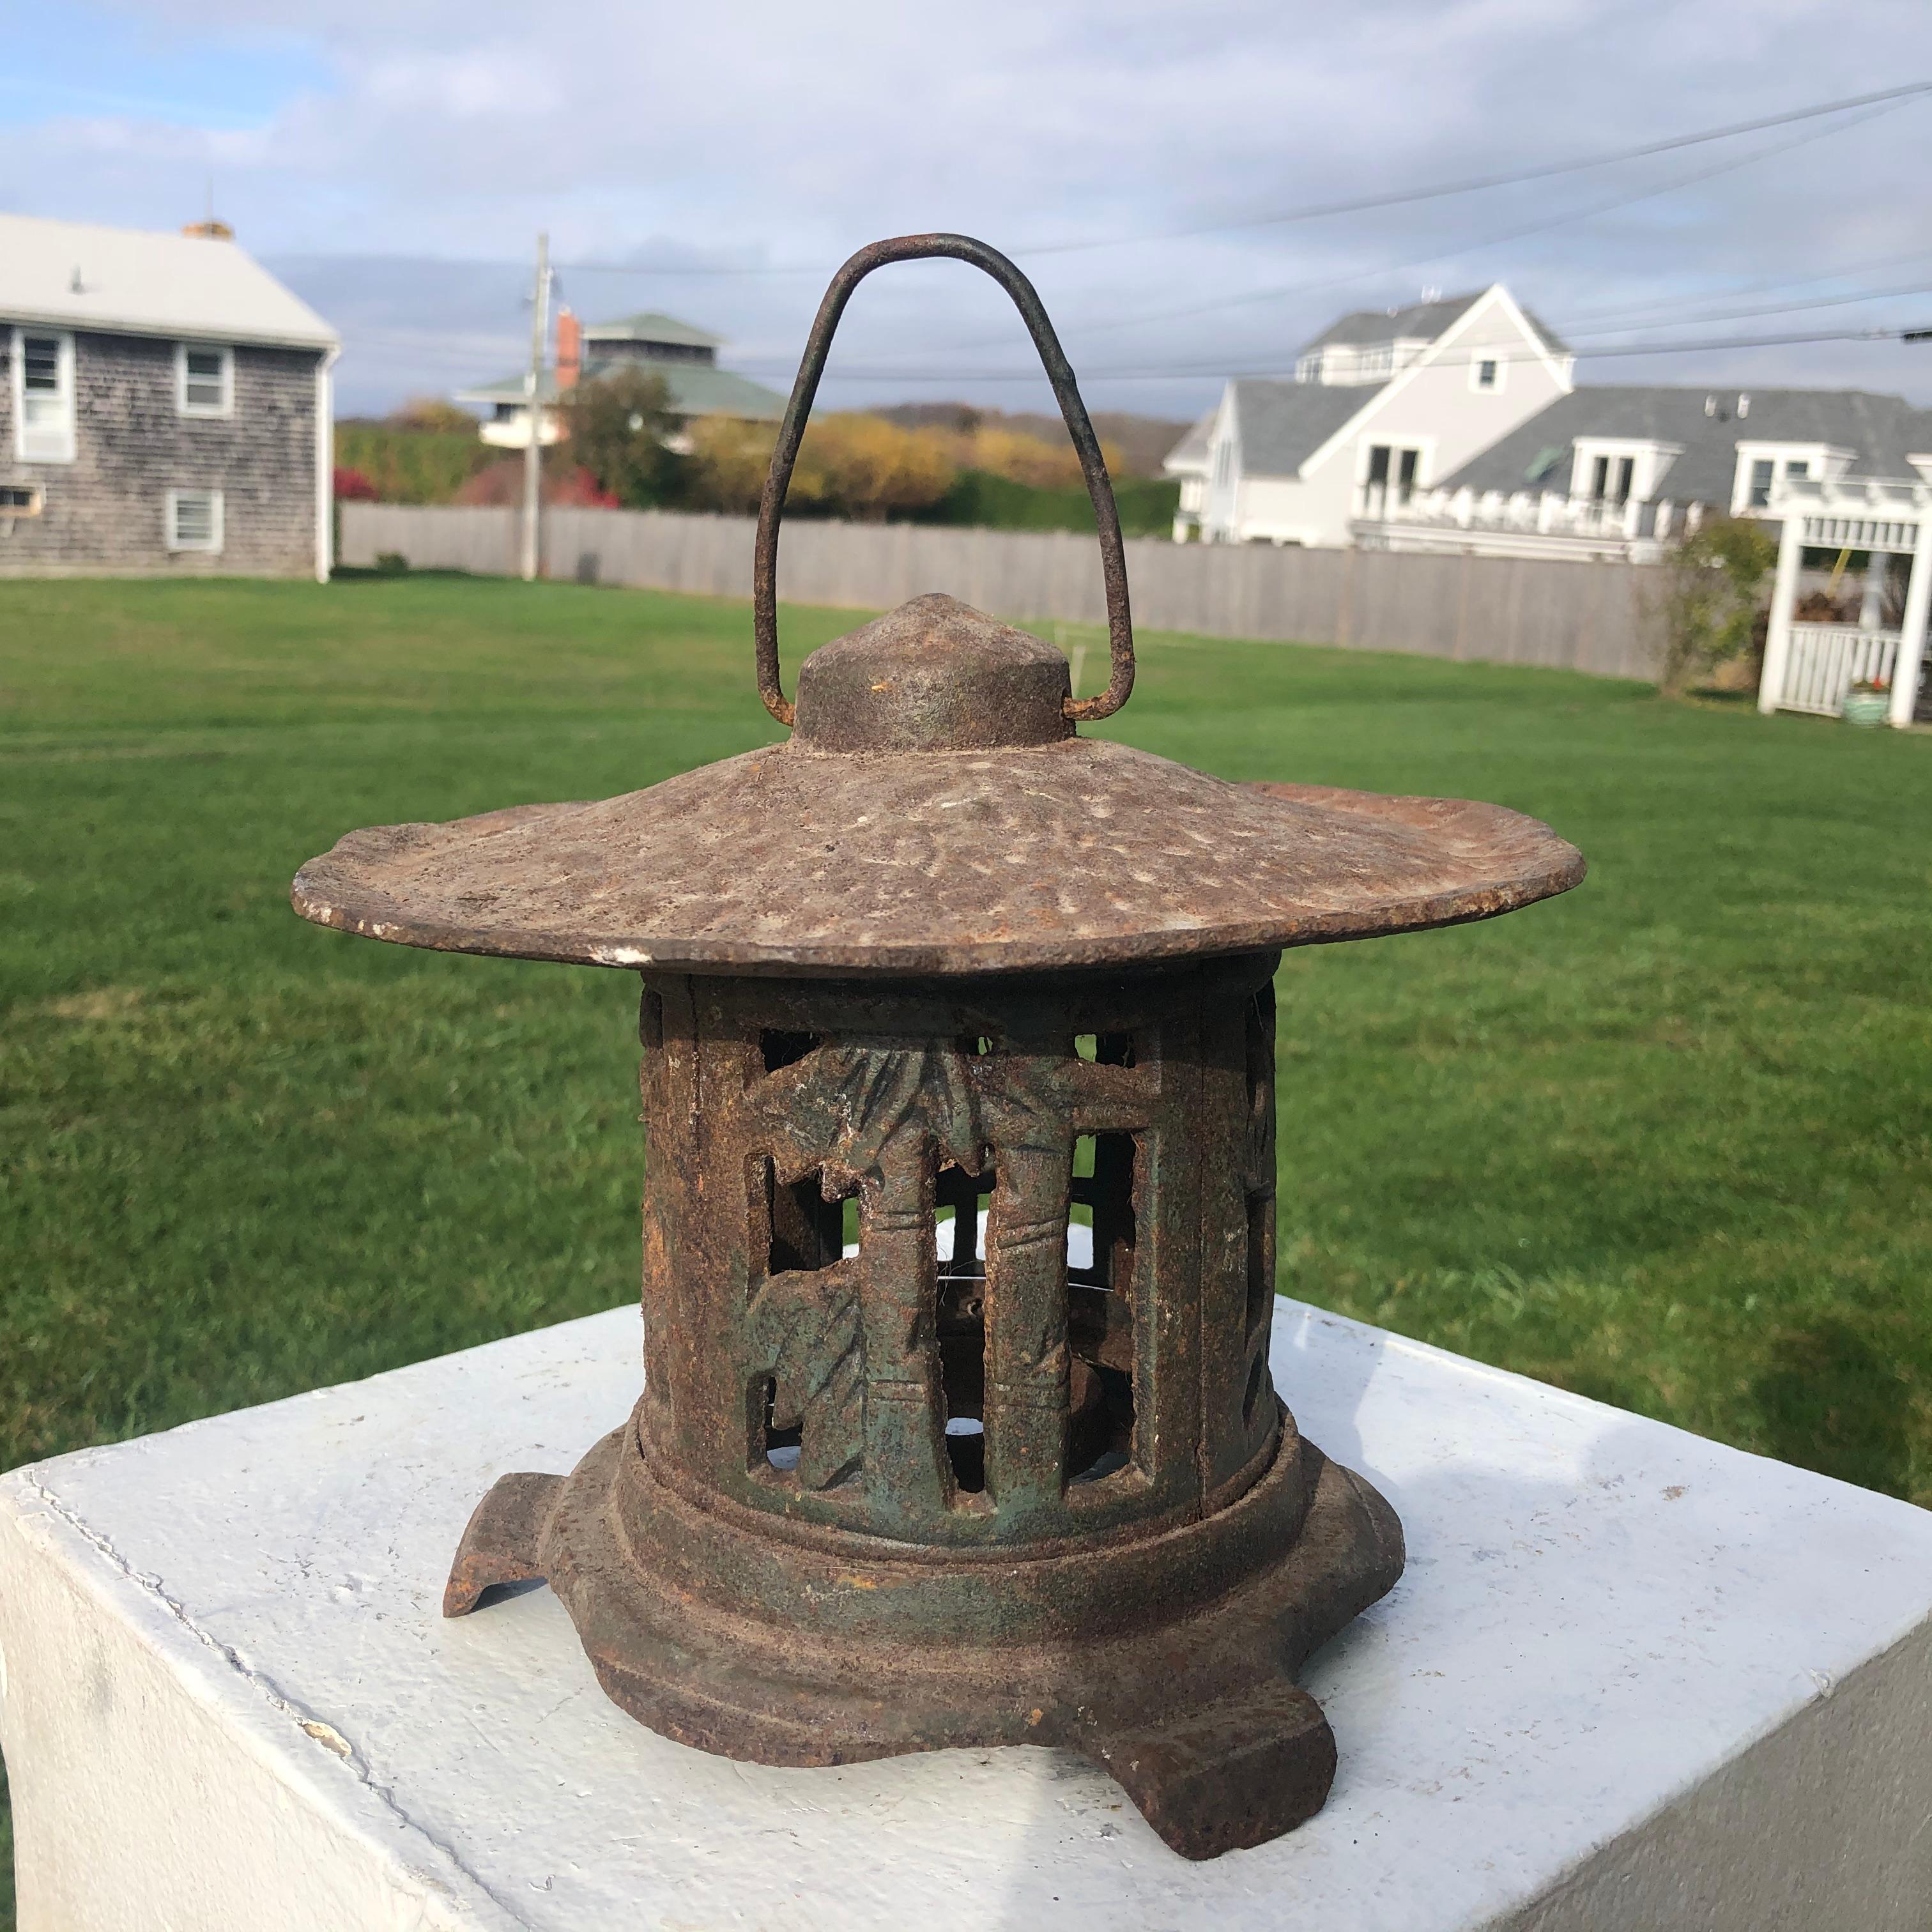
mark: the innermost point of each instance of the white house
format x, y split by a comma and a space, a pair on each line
1383, 406
1613, 471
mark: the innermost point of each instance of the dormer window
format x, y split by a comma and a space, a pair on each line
1610, 478
1763, 467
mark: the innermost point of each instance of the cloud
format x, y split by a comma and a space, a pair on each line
417, 138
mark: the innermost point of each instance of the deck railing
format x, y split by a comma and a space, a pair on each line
1826, 660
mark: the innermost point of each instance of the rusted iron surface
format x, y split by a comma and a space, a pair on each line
893, 1484
893, 1499
892, 847
1066, 392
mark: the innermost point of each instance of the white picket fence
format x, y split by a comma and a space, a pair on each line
1826, 660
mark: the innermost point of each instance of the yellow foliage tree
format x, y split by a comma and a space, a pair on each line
855, 466
1026, 459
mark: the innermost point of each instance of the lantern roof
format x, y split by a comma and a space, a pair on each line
935, 813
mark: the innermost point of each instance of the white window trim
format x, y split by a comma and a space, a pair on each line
182, 406
1425, 448
1496, 388
1650, 462
216, 522
65, 452
1824, 460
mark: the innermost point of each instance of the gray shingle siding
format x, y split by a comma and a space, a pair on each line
106, 511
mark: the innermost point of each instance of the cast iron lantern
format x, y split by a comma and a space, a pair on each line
939, 964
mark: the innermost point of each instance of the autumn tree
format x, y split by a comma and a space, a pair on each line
431, 416
1710, 605
619, 428
855, 466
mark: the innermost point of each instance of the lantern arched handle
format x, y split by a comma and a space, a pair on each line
1066, 393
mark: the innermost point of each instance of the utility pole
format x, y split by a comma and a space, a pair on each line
533, 389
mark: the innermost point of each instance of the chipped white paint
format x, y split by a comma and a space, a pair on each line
1631, 1678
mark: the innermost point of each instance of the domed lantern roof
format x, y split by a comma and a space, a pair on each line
959, 1213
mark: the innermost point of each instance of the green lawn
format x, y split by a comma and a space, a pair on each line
1665, 1141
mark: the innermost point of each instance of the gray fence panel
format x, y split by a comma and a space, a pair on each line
1594, 617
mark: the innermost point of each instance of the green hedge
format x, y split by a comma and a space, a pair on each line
988, 502
412, 466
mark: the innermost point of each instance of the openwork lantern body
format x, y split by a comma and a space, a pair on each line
957, 1426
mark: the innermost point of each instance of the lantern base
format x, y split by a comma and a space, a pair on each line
1168, 1661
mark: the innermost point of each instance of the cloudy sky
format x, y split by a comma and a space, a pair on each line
394, 159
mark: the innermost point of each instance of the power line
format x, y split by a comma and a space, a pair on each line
1179, 372
1495, 240
1882, 101
1476, 184
1651, 305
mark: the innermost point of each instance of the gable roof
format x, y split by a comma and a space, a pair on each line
1190, 453
1883, 430
1281, 424
1422, 322
696, 389
132, 281
649, 326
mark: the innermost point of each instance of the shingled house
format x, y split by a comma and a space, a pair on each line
685, 357
166, 409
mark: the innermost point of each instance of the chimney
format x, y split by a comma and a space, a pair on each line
569, 349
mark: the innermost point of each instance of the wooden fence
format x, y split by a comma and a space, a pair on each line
1590, 617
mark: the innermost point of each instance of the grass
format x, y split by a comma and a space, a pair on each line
1665, 1141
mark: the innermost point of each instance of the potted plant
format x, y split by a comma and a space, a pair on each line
1867, 701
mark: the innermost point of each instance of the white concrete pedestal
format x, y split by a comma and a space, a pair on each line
1631, 1679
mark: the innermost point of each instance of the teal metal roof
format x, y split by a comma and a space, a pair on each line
696, 389
649, 326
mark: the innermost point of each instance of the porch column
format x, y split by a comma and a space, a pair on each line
1911, 632
1783, 595
1871, 606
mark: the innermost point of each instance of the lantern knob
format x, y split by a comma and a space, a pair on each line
935, 675
1066, 393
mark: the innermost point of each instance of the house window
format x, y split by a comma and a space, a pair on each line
1486, 374
1759, 496
1797, 470
1391, 478
204, 380
1610, 478
42, 398
19, 499
194, 520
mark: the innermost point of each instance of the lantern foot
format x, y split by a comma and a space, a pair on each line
1227, 1775
1167, 1660
502, 1541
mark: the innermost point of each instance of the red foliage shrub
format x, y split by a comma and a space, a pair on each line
352, 487
502, 485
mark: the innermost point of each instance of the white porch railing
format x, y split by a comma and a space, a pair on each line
1826, 660
1543, 514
